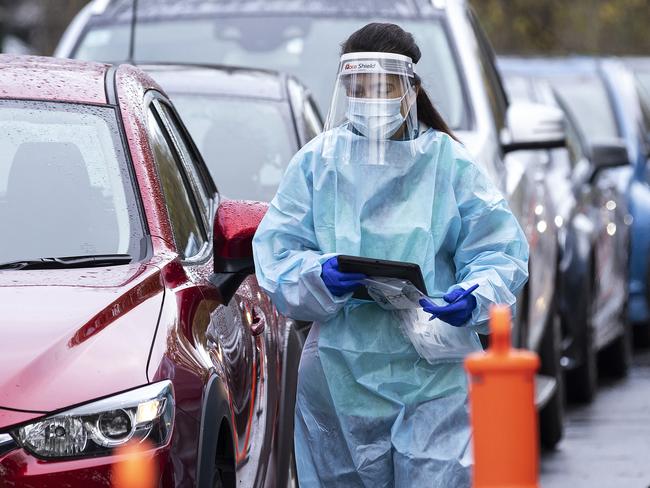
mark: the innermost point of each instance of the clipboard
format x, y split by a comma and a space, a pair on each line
381, 268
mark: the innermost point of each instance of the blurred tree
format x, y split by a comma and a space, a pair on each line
3, 22
58, 13
39, 23
563, 27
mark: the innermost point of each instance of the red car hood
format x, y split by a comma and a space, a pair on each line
70, 336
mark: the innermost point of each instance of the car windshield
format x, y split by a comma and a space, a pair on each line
307, 48
64, 183
587, 98
223, 129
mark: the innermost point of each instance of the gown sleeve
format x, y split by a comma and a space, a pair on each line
491, 249
287, 256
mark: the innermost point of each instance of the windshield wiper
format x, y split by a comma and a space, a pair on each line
69, 262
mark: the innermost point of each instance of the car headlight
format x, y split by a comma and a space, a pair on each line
96, 428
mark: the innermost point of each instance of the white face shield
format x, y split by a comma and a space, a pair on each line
373, 109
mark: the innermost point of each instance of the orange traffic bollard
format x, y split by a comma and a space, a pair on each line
504, 420
135, 469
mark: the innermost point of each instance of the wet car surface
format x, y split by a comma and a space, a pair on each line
121, 293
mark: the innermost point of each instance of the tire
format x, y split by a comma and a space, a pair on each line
642, 335
551, 416
217, 481
582, 381
286, 459
616, 358
292, 480
224, 464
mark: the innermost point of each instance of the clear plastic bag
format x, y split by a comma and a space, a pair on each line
435, 340
393, 293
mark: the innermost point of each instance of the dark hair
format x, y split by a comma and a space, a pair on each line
391, 38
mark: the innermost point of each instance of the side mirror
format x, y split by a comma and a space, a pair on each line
533, 126
607, 154
234, 227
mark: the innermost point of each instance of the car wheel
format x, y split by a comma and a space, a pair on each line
218, 482
551, 416
223, 475
286, 459
582, 381
642, 335
292, 480
616, 358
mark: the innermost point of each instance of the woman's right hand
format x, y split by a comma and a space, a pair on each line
337, 282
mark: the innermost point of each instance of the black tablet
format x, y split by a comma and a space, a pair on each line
381, 268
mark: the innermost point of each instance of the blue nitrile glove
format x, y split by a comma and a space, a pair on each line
461, 305
339, 283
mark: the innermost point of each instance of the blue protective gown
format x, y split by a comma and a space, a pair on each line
369, 411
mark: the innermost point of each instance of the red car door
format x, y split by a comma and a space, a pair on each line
239, 339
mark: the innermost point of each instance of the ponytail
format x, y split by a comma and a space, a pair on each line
428, 114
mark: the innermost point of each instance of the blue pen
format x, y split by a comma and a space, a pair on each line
460, 297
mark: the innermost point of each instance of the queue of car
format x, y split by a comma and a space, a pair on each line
296, 37
593, 240
227, 110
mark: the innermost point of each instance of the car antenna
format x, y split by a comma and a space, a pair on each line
134, 21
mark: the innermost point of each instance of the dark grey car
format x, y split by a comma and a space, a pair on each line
225, 108
594, 232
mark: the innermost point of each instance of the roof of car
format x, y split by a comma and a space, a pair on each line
121, 10
218, 80
638, 63
548, 66
41, 78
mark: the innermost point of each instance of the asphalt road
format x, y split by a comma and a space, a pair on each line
607, 443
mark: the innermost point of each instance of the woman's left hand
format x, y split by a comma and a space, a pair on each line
460, 308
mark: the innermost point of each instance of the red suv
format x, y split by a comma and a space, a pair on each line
130, 312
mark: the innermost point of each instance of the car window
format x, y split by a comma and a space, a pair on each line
573, 143
519, 88
643, 81
643, 86
189, 158
586, 97
65, 184
307, 48
185, 219
491, 78
246, 143
313, 123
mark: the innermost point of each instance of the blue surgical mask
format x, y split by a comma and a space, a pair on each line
376, 118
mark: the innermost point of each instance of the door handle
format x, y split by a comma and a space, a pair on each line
258, 323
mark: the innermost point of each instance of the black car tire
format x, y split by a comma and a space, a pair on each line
551, 416
286, 457
217, 480
224, 466
292, 481
582, 381
642, 335
616, 358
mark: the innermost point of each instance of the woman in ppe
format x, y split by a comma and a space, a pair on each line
386, 180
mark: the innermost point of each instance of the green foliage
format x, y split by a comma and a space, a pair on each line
566, 26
